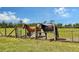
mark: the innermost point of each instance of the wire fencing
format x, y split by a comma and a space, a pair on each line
70, 34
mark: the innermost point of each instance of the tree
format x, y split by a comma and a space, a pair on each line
76, 25
10, 25
20, 23
59, 25
52, 21
4, 24
45, 22
68, 25
0, 24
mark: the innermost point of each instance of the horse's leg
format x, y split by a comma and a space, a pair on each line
29, 34
36, 35
40, 34
45, 35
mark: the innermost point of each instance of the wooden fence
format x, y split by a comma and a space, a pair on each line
70, 34
11, 32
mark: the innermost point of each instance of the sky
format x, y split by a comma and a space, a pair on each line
64, 15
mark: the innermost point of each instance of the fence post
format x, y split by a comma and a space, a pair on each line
20, 33
72, 35
36, 34
25, 33
55, 36
16, 34
5, 31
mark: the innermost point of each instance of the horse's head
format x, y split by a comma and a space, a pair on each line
25, 26
39, 26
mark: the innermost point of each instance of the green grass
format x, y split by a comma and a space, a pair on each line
32, 45
69, 32
8, 44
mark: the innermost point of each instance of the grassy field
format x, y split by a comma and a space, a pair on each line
32, 45
69, 33
8, 44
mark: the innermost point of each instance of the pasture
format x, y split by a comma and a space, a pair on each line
70, 34
8, 44
32, 45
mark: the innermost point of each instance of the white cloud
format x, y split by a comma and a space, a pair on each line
4, 17
62, 12
11, 13
25, 20
7, 16
11, 16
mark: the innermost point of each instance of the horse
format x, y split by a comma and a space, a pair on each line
50, 27
31, 29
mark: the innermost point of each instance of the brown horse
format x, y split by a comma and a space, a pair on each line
31, 29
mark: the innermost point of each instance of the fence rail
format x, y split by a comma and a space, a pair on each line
70, 34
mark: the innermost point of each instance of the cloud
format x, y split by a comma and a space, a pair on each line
62, 12
7, 16
25, 20
11, 13
11, 16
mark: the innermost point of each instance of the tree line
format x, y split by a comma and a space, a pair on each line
76, 25
59, 25
4, 24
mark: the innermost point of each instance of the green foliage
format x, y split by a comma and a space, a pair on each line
20, 23
45, 22
59, 25
52, 21
68, 25
76, 25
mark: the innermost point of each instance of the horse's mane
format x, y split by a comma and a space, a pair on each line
47, 27
26, 25
43, 25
